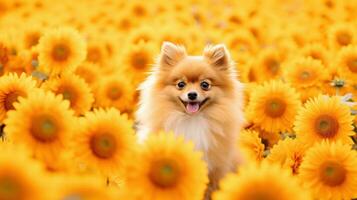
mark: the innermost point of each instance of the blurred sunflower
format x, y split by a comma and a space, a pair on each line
347, 62
81, 187
139, 10
21, 63
289, 153
169, 169
96, 52
324, 117
143, 34
260, 182
273, 106
305, 72
90, 72
115, 91
16, 181
42, 122
105, 139
74, 89
241, 41
268, 65
329, 170
125, 22
341, 35
11, 87
32, 36
138, 60
61, 50
251, 145
317, 52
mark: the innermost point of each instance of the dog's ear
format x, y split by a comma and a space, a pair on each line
171, 54
217, 56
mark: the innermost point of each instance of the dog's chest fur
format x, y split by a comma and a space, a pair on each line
197, 129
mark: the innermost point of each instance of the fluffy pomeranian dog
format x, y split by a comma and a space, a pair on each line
198, 97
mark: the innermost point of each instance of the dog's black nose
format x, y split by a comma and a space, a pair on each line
192, 96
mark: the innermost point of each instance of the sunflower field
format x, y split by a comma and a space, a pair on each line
69, 71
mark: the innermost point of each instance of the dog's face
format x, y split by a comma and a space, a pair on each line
193, 84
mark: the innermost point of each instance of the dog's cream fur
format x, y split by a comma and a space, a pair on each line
214, 128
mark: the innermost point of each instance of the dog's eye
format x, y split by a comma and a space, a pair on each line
205, 85
180, 85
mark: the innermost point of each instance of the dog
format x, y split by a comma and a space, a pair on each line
198, 97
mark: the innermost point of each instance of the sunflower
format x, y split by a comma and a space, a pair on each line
305, 72
138, 59
104, 141
169, 169
341, 35
329, 170
264, 181
241, 41
347, 62
16, 181
74, 89
11, 87
268, 65
116, 91
42, 122
289, 153
125, 23
21, 63
61, 50
250, 144
96, 52
81, 187
139, 10
273, 106
143, 34
316, 51
32, 36
90, 72
324, 118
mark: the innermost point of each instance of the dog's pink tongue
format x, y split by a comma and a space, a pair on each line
192, 107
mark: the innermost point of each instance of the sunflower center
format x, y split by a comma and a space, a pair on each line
344, 39
60, 52
164, 173
332, 173
94, 55
305, 75
114, 93
11, 98
275, 107
139, 61
103, 145
139, 11
352, 65
273, 66
10, 189
44, 128
316, 56
326, 126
